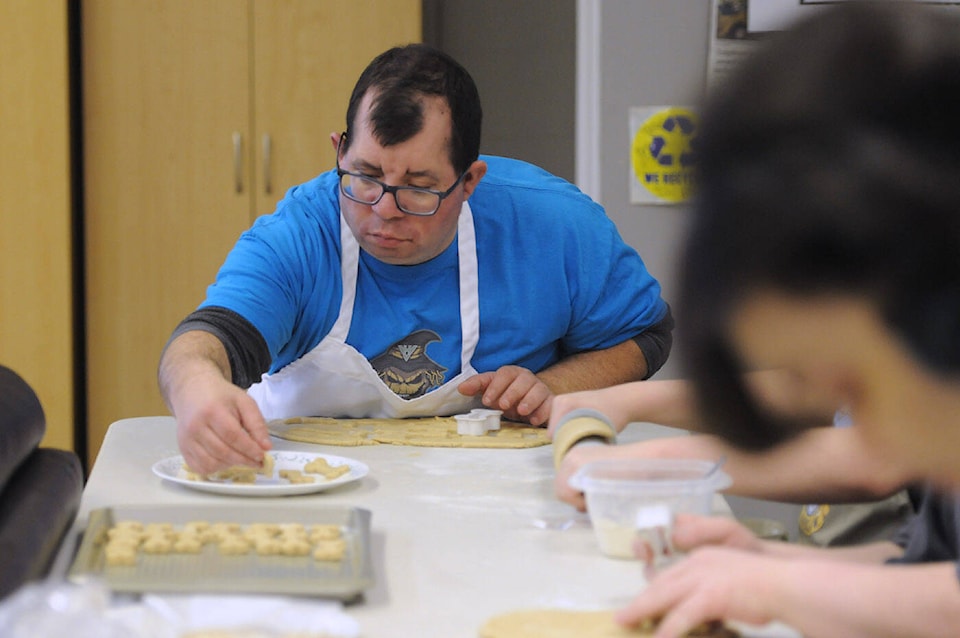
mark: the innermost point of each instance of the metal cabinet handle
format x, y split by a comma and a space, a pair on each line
238, 162
267, 146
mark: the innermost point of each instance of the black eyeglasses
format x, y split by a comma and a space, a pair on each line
410, 199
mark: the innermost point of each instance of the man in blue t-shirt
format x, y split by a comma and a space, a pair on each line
417, 278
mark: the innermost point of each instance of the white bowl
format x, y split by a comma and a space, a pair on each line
617, 490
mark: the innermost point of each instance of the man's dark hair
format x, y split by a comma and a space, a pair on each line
400, 78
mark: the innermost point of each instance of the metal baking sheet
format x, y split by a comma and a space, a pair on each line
210, 571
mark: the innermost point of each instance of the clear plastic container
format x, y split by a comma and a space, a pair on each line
618, 491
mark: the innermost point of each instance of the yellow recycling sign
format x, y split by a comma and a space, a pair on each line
662, 154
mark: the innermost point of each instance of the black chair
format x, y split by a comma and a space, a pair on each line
40, 488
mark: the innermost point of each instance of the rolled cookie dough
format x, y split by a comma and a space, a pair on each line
565, 623
423, 432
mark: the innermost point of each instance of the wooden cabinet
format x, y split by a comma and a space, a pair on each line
198, 115
36, 252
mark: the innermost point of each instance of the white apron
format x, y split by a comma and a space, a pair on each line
335, 380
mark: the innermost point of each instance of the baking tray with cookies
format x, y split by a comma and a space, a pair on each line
323, 552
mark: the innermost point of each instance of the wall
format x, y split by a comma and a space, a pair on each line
522, 56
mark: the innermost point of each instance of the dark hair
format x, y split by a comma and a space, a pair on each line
829, 163
400, 77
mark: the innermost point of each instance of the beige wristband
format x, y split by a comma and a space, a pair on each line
577, 428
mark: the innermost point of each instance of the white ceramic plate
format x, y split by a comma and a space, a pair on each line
171, 469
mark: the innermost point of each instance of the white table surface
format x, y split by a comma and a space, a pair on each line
458, 535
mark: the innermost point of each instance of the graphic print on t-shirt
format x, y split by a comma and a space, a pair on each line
405, 367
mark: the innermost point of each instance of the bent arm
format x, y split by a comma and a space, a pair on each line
245, 349
190, 357
665, 402
815, 597
218, 423
596, 369
857, 600
803, 470
632, 360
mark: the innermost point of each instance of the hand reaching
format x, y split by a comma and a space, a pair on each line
219, 425
725, 576
517, 391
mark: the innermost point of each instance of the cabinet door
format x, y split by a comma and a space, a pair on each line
36, 307
166, 93
307, 56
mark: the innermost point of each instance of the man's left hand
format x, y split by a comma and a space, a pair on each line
517, 391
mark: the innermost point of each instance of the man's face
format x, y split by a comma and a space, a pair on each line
843, 354
423, 161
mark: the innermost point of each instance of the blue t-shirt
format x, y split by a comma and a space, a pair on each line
555, 278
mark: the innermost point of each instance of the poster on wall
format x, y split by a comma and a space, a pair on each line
662, 154
737, 25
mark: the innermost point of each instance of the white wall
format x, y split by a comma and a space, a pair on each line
647, 53
521, 54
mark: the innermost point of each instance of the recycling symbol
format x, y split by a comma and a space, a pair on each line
663, 153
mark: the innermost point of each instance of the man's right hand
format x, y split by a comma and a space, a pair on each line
219, 425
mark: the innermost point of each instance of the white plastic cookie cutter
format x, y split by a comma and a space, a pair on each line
491, 417
478, 422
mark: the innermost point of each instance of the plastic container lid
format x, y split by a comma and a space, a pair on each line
631, 476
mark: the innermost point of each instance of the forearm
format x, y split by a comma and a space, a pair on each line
596, 369
218, 423
826, 599
661, 402
868, 554
189, 356
247, 353
801, 471
806, 470
667, 402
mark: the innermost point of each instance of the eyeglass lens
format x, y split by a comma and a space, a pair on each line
409, 200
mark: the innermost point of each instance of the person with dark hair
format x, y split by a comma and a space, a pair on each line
826, 242
417, 278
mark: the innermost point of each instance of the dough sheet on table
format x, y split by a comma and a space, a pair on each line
566, 623
423, 432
